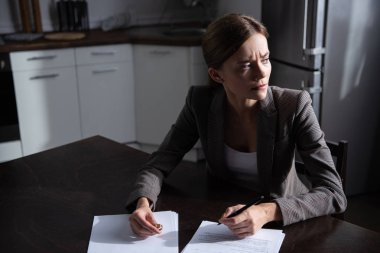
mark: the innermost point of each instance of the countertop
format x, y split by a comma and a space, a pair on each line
183, 35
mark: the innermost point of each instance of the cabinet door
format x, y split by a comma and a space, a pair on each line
42, 59
10, 150
48, 109
103, 54
106, 95
162, 81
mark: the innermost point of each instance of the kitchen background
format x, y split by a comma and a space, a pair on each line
351, 106
143, 12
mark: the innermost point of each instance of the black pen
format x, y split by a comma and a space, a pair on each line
255, 201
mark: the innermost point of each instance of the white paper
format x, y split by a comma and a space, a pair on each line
213, 238
113, 234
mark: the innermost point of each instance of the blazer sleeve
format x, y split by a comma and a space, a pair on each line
179, 140
326, 194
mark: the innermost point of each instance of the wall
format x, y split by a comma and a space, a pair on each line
8, 16
248, 7
351, 104
143, 12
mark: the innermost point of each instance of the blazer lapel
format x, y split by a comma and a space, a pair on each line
266, 132
215, 141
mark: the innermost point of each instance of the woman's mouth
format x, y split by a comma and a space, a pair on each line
260, 87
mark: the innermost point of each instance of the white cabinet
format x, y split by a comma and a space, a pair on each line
47, 98
106, 91
161, 85
65, 95
122, 92
10, 150
163, 75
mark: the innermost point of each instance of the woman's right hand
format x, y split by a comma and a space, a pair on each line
142, 220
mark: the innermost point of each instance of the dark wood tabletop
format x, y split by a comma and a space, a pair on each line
48, 200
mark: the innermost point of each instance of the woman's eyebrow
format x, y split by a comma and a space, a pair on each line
244, 61
248, 59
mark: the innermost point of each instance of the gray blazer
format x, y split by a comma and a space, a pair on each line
286, 122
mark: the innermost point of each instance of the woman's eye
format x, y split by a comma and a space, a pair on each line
265, 61
249, 65
246, 65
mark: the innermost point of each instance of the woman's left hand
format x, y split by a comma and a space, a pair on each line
251, 220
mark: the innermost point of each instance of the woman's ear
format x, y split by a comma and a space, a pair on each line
213, 73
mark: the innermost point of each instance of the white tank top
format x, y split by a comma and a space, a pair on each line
243, 167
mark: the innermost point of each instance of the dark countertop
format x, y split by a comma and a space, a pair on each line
153, 35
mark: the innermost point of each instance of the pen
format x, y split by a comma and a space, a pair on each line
255, 201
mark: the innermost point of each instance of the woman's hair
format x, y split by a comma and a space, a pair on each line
225, 35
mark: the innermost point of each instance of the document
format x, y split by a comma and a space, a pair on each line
213, 238
112, 233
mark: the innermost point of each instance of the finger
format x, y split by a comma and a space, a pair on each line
149, 226
240, 218
243, 235
145, 224
245, 231
139, 230
231, 210
243, 224
228, 211
153, 221
142, 231
242, 231
158, 227
239, 228
235, 220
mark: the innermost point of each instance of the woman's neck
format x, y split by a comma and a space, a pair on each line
242, 108
240, 125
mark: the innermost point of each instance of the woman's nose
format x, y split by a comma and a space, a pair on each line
258, 73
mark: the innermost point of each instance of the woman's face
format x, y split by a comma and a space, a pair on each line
245, 75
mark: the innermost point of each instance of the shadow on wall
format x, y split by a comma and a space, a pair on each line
351, 107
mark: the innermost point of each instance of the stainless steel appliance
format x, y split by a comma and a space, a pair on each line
331, 48
296, 44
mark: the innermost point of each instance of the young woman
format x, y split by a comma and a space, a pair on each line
249, 133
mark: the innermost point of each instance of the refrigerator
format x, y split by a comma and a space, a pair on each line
331, 49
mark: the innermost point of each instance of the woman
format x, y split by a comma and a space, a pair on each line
249, 133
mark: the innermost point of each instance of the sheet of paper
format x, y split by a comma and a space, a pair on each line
113, 234
213, 238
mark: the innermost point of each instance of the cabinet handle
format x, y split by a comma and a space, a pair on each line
103, 53
37, 58
44, 76
159, 52
101, 71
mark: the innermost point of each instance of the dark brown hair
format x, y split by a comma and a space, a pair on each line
225, 35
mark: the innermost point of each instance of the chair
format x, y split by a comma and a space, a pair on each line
339, 153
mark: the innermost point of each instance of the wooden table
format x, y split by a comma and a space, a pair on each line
48, 200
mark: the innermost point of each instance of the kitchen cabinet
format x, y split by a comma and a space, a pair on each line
65, 95
106, 91
163, 75
10, 150
47, 98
